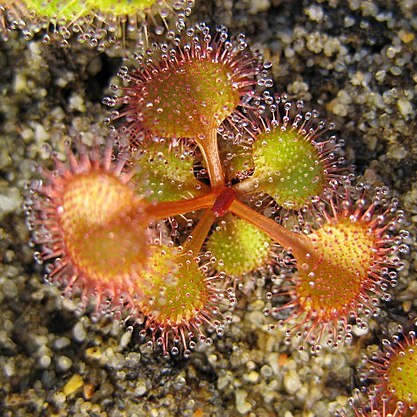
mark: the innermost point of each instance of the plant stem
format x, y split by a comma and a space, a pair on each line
210, 151
166, 209
247, 186
197, 237
298, 244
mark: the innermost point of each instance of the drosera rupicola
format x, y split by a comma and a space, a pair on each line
375, 409
93, 22
392, 371
344, 265
255, 248
294, 161
180, 300
182, 104
187, 87
85, 219
166, 171
102, 242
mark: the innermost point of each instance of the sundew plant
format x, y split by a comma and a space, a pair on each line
200, 195
95, 23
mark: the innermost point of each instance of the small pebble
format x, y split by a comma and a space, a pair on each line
74, 383
64, 363
45, 361
292, 382
79, 332
140, 389
242, 405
